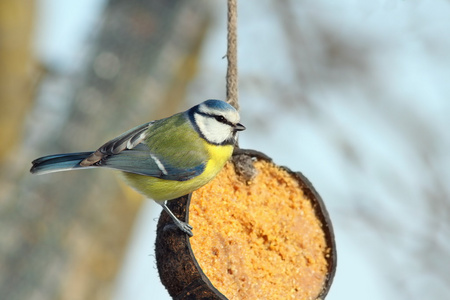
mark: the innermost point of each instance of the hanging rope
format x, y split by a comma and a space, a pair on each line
243, 163
232, 71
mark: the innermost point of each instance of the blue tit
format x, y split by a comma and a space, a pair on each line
163, 159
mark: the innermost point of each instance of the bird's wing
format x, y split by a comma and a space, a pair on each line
127, 140
140, 160
130, 152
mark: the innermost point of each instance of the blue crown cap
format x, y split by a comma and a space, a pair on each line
218, 104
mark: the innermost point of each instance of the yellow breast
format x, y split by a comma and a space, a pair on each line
161, 189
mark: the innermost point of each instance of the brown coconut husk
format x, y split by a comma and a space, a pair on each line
271, 236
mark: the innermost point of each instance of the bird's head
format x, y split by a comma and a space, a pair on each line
216, 121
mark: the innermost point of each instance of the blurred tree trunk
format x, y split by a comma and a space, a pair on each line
64, 235
16, 63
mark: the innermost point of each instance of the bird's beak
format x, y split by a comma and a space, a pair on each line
239, 127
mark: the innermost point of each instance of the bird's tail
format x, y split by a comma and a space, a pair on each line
58, 162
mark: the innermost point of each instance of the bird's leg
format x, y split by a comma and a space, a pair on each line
185, 227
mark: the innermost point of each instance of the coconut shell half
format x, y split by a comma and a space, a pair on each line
267, 238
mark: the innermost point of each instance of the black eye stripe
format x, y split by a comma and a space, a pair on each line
219, 118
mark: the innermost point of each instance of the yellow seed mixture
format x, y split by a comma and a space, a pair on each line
260, 240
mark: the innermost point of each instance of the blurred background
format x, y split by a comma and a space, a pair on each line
354, 94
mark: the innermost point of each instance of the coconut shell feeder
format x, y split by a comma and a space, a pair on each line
267, 238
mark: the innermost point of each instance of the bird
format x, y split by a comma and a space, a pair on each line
166, 158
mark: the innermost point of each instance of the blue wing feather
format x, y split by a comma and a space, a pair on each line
140, 161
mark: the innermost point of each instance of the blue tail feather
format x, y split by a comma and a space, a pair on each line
58, 162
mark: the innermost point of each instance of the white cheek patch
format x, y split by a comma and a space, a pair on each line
213, 131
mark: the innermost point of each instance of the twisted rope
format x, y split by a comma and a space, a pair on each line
232, 70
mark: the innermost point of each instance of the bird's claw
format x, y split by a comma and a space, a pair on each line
183, 226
